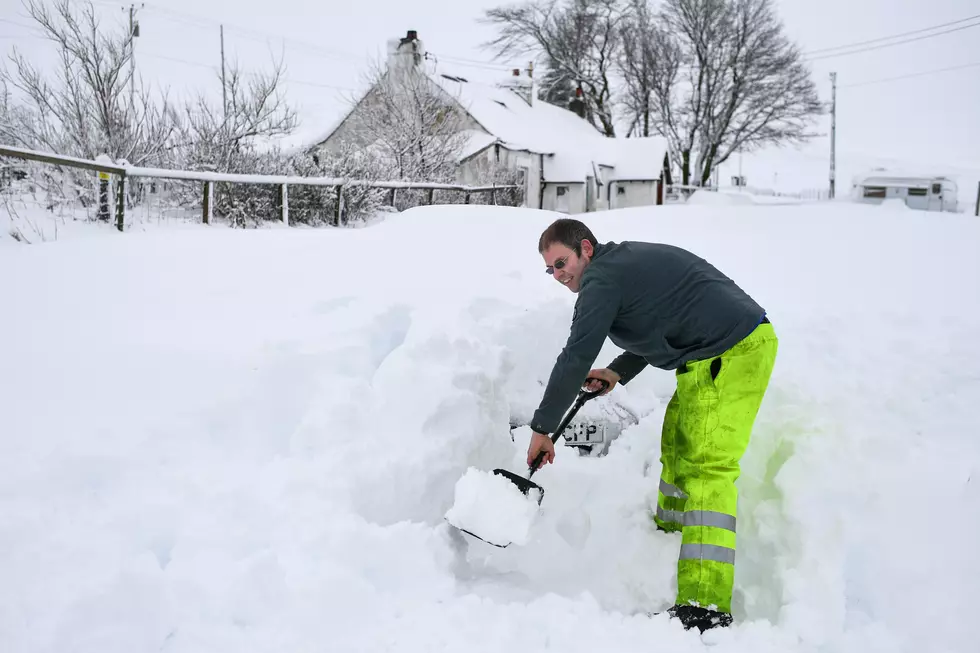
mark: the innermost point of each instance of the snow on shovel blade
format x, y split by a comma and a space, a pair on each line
490, 510
488, 507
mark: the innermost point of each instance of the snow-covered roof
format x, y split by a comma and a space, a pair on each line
639, 158
898, 177
574, 148
476, 141
539, 127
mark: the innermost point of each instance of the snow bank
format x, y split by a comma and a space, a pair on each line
229, 440
717, 198
894, 204
492, 508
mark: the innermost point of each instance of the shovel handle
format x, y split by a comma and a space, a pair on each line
583, 396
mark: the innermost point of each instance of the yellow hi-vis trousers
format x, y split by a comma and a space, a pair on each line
706, 430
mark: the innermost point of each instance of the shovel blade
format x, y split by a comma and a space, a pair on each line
523, 484
471, 533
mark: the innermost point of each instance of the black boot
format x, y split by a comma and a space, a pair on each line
692, 615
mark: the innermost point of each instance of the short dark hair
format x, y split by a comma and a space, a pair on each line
569, 232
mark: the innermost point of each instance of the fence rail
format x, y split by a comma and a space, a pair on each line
208, 179
813, 194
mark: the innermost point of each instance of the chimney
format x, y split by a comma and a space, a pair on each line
405, 54
516, 83
577, 104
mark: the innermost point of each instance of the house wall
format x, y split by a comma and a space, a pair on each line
351, 130
470, 171
348, 131
635, 193
572, 202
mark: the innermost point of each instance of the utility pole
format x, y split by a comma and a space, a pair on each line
833, 133
224, 84
134, 32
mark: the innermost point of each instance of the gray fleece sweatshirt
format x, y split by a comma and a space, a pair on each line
661, 304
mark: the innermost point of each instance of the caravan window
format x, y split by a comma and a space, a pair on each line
917, 192
874, 191
937, 188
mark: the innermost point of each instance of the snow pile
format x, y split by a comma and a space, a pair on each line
220, 440
493, 508
716, 198
894, 204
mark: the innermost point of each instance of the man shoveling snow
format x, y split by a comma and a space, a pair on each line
670, 309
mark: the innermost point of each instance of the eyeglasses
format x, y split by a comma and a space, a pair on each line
559, 264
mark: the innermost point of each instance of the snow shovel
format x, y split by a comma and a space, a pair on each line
525, 485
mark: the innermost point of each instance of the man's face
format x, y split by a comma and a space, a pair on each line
565, 265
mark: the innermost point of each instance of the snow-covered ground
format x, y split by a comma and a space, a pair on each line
219, 440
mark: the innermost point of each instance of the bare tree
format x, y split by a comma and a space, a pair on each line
84, 108
255, 112
638, 66
724, 77
237, 136
579, 40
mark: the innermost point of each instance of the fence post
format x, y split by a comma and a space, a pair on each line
120, 202
103, 196
336, 209
285, 204
206, 204
431, 194
978, 199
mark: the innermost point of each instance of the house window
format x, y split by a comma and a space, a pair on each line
874, 191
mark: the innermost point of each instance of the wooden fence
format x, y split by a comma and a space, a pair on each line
208, 179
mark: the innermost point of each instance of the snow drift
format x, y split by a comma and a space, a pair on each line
247, 440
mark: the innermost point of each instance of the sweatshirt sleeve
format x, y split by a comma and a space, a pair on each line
596, 308
627, 365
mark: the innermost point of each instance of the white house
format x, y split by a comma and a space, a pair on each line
923, 192
564, 163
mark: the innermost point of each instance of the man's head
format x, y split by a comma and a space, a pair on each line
567, 246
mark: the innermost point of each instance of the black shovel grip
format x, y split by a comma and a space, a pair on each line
583, 396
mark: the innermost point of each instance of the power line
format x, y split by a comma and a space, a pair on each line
893, 36
214, 68
14, 22
889, 45
254, 35
467, 63
925, 72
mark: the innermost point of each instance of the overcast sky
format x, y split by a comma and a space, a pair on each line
926, 121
